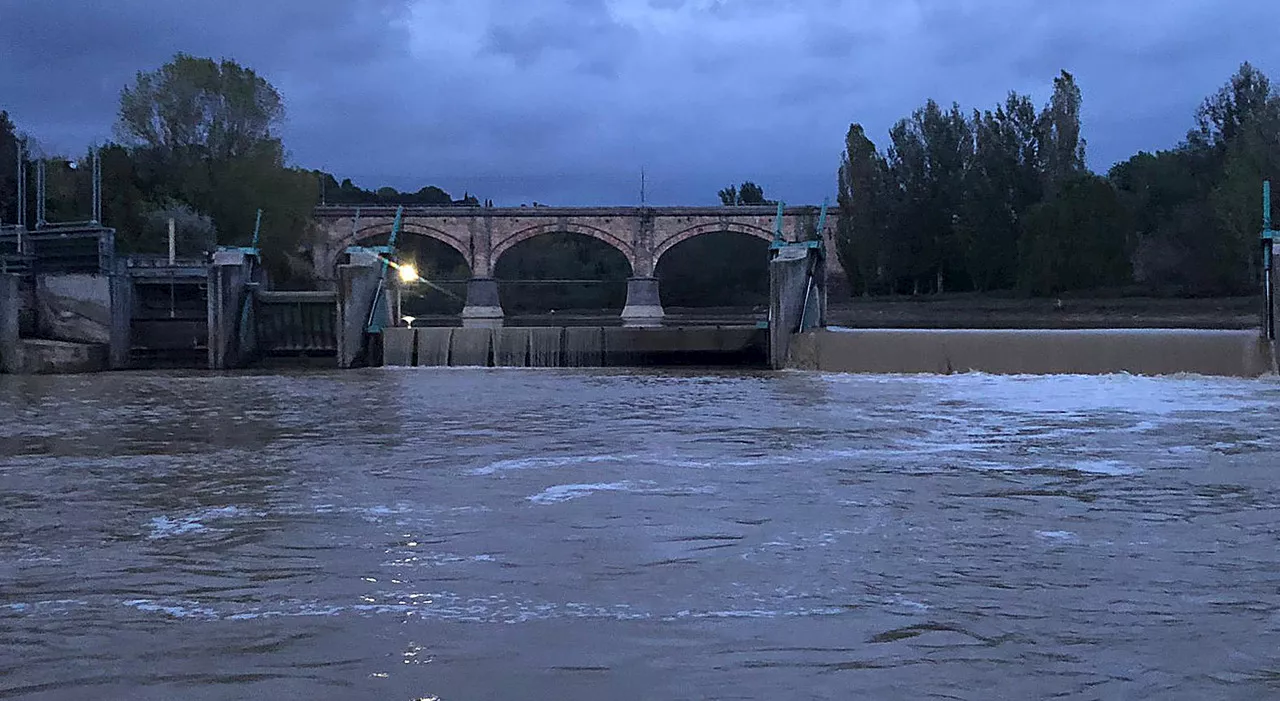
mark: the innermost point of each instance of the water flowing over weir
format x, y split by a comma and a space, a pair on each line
546, 347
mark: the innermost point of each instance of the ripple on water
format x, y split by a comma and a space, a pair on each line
195, 522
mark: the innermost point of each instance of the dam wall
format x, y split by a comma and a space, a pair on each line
1236, 353
574, 346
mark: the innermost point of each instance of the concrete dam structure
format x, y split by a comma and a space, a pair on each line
67, 304
643, 235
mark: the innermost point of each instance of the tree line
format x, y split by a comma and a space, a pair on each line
1001, 199
984, 200
198, 142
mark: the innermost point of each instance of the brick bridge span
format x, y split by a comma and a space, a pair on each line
483, 234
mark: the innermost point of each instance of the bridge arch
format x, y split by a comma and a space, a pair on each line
708, 228
562, 227
408, 226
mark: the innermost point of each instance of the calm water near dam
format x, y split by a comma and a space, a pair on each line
512, 534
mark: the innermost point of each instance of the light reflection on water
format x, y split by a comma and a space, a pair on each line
544, 534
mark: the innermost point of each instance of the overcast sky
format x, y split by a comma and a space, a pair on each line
563, 101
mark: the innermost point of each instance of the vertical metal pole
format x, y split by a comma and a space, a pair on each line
22, 197
257, 226
97, 185
173, 242
1266, 205
40, 172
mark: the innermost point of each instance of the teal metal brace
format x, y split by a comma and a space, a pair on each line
779, 243
378, 312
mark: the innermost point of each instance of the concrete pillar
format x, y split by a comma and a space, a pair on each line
644, 304
789, 273
483, 309
121, 344
228, 277
1274, 297
357, 289
10, 309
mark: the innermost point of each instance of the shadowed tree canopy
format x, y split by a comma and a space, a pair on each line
219, 110
748, 193
9, 141
202, 134
1002, 199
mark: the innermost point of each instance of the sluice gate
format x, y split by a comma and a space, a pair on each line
294, 324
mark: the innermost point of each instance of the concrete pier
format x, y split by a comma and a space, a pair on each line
358, 282
483, 308
229, 277
10, 311
1274, 298
86, 309
644, 304
797, 298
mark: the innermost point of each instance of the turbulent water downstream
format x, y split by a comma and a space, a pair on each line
460, 534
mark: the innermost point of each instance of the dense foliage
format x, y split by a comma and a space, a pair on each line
1001, 199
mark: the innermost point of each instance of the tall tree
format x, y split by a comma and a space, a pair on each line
219, 110
203, 133
9, 141
1002, 182
928, 159
1062, 149
1224, 115
865, 207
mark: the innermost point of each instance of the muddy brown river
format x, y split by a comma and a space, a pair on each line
511, 534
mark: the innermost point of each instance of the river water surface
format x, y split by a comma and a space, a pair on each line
507, 534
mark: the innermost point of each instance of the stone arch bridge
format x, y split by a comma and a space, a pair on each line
483, 234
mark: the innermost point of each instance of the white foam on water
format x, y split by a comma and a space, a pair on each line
565, 492
1058, 536
165, 527
176, 610
501, 609
546, 462
49, 606
436, 559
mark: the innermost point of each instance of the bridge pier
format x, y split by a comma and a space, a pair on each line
483, 309
229, 279
644, 305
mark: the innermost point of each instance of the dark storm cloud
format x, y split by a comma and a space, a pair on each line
565, 100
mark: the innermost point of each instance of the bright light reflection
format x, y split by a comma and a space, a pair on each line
408, 273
